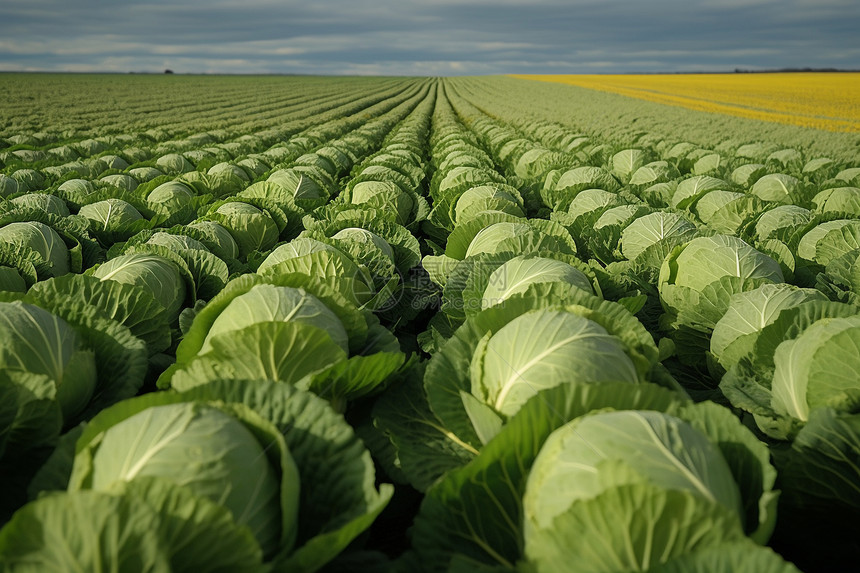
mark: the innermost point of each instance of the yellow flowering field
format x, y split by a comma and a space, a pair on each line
828, 101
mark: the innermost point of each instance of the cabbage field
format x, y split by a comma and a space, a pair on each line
421, 324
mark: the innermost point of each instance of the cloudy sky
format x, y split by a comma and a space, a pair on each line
431, 37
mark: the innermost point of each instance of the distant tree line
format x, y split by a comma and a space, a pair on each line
790, 70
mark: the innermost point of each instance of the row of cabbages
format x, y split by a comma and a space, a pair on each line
523, 456
248, 463
549, 433
34, 160
580, 306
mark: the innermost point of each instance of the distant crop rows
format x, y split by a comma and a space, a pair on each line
391, 324
623, 119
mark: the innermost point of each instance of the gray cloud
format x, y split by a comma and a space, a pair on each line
427, 38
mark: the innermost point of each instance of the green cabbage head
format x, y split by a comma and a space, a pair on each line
34, 340
384, 195
156, 274
41, 239
820, 368
110, 214
204, 449
516, 275
543, 349
365, 237
593, 455
270, 303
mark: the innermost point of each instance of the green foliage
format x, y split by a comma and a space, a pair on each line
225, 330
